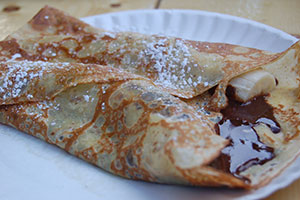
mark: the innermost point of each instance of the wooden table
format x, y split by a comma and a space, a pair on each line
281, 14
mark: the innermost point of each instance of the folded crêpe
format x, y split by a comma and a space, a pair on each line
53, 36
112, 100
113, 119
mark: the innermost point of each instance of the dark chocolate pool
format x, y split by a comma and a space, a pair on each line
245, 148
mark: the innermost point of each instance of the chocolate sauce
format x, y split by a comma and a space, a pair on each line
245, 148
212, 90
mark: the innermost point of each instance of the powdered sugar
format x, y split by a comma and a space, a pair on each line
109, 34
156, 51
15, 76
172, 61
15, 56
14, 80
86, 98
44, 105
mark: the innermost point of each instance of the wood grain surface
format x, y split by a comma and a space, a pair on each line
281, 14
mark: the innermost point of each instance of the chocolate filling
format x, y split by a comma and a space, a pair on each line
245, 148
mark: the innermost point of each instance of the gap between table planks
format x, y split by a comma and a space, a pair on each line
280, 14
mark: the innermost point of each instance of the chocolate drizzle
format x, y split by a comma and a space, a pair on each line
245, 148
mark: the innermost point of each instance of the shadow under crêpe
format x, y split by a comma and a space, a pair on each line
179, 192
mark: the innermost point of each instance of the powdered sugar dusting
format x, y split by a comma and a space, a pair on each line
15, 76
172, 61
14, 57
86, 98
169, 62
109, 34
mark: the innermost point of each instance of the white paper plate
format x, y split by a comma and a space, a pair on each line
32, 169
196, 25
